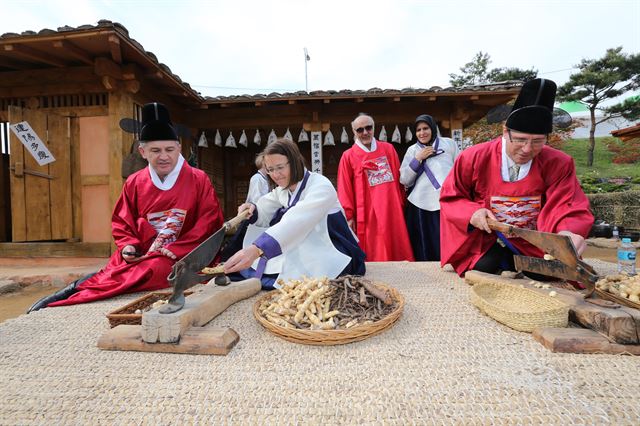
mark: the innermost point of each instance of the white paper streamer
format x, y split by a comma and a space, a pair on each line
243, 139
272, 137
328, 139
408, 136
203, 142
257, 139
287, 135
303, 137
231, 141
218, 139
383, 134
395, 137
344, 136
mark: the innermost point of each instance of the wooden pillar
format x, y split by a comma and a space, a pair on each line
120, 106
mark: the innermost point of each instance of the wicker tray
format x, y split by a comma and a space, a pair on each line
519, 308
615, 298
332, 337
127, 315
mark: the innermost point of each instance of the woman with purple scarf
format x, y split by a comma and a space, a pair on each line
424, 167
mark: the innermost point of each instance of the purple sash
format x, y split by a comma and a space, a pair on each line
426, 168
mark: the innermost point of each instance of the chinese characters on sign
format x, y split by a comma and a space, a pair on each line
32, 143
316, 152
456, 135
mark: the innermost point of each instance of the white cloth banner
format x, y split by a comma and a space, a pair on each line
32, 143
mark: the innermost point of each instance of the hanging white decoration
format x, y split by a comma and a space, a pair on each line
257, 139
287, 135
408, 136
243, 139
344, 136
303, 137
203, 142
218, 139
328, 139
395, 137
383, 134
231, 141
272, 137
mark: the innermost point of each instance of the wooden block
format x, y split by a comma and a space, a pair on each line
199, 309
580, 341
621, 325
195, 340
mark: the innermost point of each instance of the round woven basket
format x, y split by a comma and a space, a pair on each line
332, 337
519, 308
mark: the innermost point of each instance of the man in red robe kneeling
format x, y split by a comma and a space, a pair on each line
164, 212
516, 179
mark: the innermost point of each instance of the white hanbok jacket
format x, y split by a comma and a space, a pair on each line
299, 244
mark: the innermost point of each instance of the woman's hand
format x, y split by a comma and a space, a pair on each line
424, 153
242, 259
247, 206
577, 240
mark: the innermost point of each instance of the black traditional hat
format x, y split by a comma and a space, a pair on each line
156, 124
533, 110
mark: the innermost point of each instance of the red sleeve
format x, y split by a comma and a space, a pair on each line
209, 219
460, 245
123, 221
346, 193
566, 207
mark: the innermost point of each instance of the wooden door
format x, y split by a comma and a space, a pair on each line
41, 195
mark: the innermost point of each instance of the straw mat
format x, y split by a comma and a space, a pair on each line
443, 362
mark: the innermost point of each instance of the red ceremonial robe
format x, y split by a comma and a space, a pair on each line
369, 191
476, 178
149, 218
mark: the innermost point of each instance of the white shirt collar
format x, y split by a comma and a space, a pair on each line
171, 178
507, 162
362, 146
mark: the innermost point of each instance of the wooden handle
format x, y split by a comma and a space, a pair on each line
499, 226
244, 214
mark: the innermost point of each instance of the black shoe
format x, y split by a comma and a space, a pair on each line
63, 294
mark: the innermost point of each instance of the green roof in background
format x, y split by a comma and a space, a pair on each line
573, 106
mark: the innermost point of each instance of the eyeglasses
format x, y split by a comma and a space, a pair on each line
368, 128
277, 169
535, 143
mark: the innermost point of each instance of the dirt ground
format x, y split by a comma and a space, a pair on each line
15, 304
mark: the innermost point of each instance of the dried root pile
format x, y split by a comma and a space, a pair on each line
621, 285
323, 304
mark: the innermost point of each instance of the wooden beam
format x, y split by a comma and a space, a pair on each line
74, 50
431, 98
15, 65
258, 103
38, 77
106, 67
359, 100
396, 99
114, 47
131, 86
326, 101
35, 55
67, 249
292, 102
110, 83
155, 74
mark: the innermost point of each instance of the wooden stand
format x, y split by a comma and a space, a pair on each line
580, 341
181, 331
620, 325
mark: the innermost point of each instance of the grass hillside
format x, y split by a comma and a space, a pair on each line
603, 167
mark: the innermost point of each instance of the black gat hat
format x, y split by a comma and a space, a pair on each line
533, 109
156, 124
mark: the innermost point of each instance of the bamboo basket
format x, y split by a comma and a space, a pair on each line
519, 308
127, 315
332, 337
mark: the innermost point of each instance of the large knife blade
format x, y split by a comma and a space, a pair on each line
185, 272
558, 246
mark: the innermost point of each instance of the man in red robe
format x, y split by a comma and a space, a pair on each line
370, 193
515, 179
164, 212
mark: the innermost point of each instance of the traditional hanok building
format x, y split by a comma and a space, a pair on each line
73, 86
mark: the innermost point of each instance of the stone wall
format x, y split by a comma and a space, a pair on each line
619, 208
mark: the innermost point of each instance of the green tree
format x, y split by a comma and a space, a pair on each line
599, 80
477, 72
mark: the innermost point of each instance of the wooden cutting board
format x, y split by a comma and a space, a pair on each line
620, 325
580, 341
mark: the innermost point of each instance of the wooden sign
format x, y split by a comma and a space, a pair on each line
316, 152
32, 143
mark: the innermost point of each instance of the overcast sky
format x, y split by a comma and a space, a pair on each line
237, 47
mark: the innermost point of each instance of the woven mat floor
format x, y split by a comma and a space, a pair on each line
442, 363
